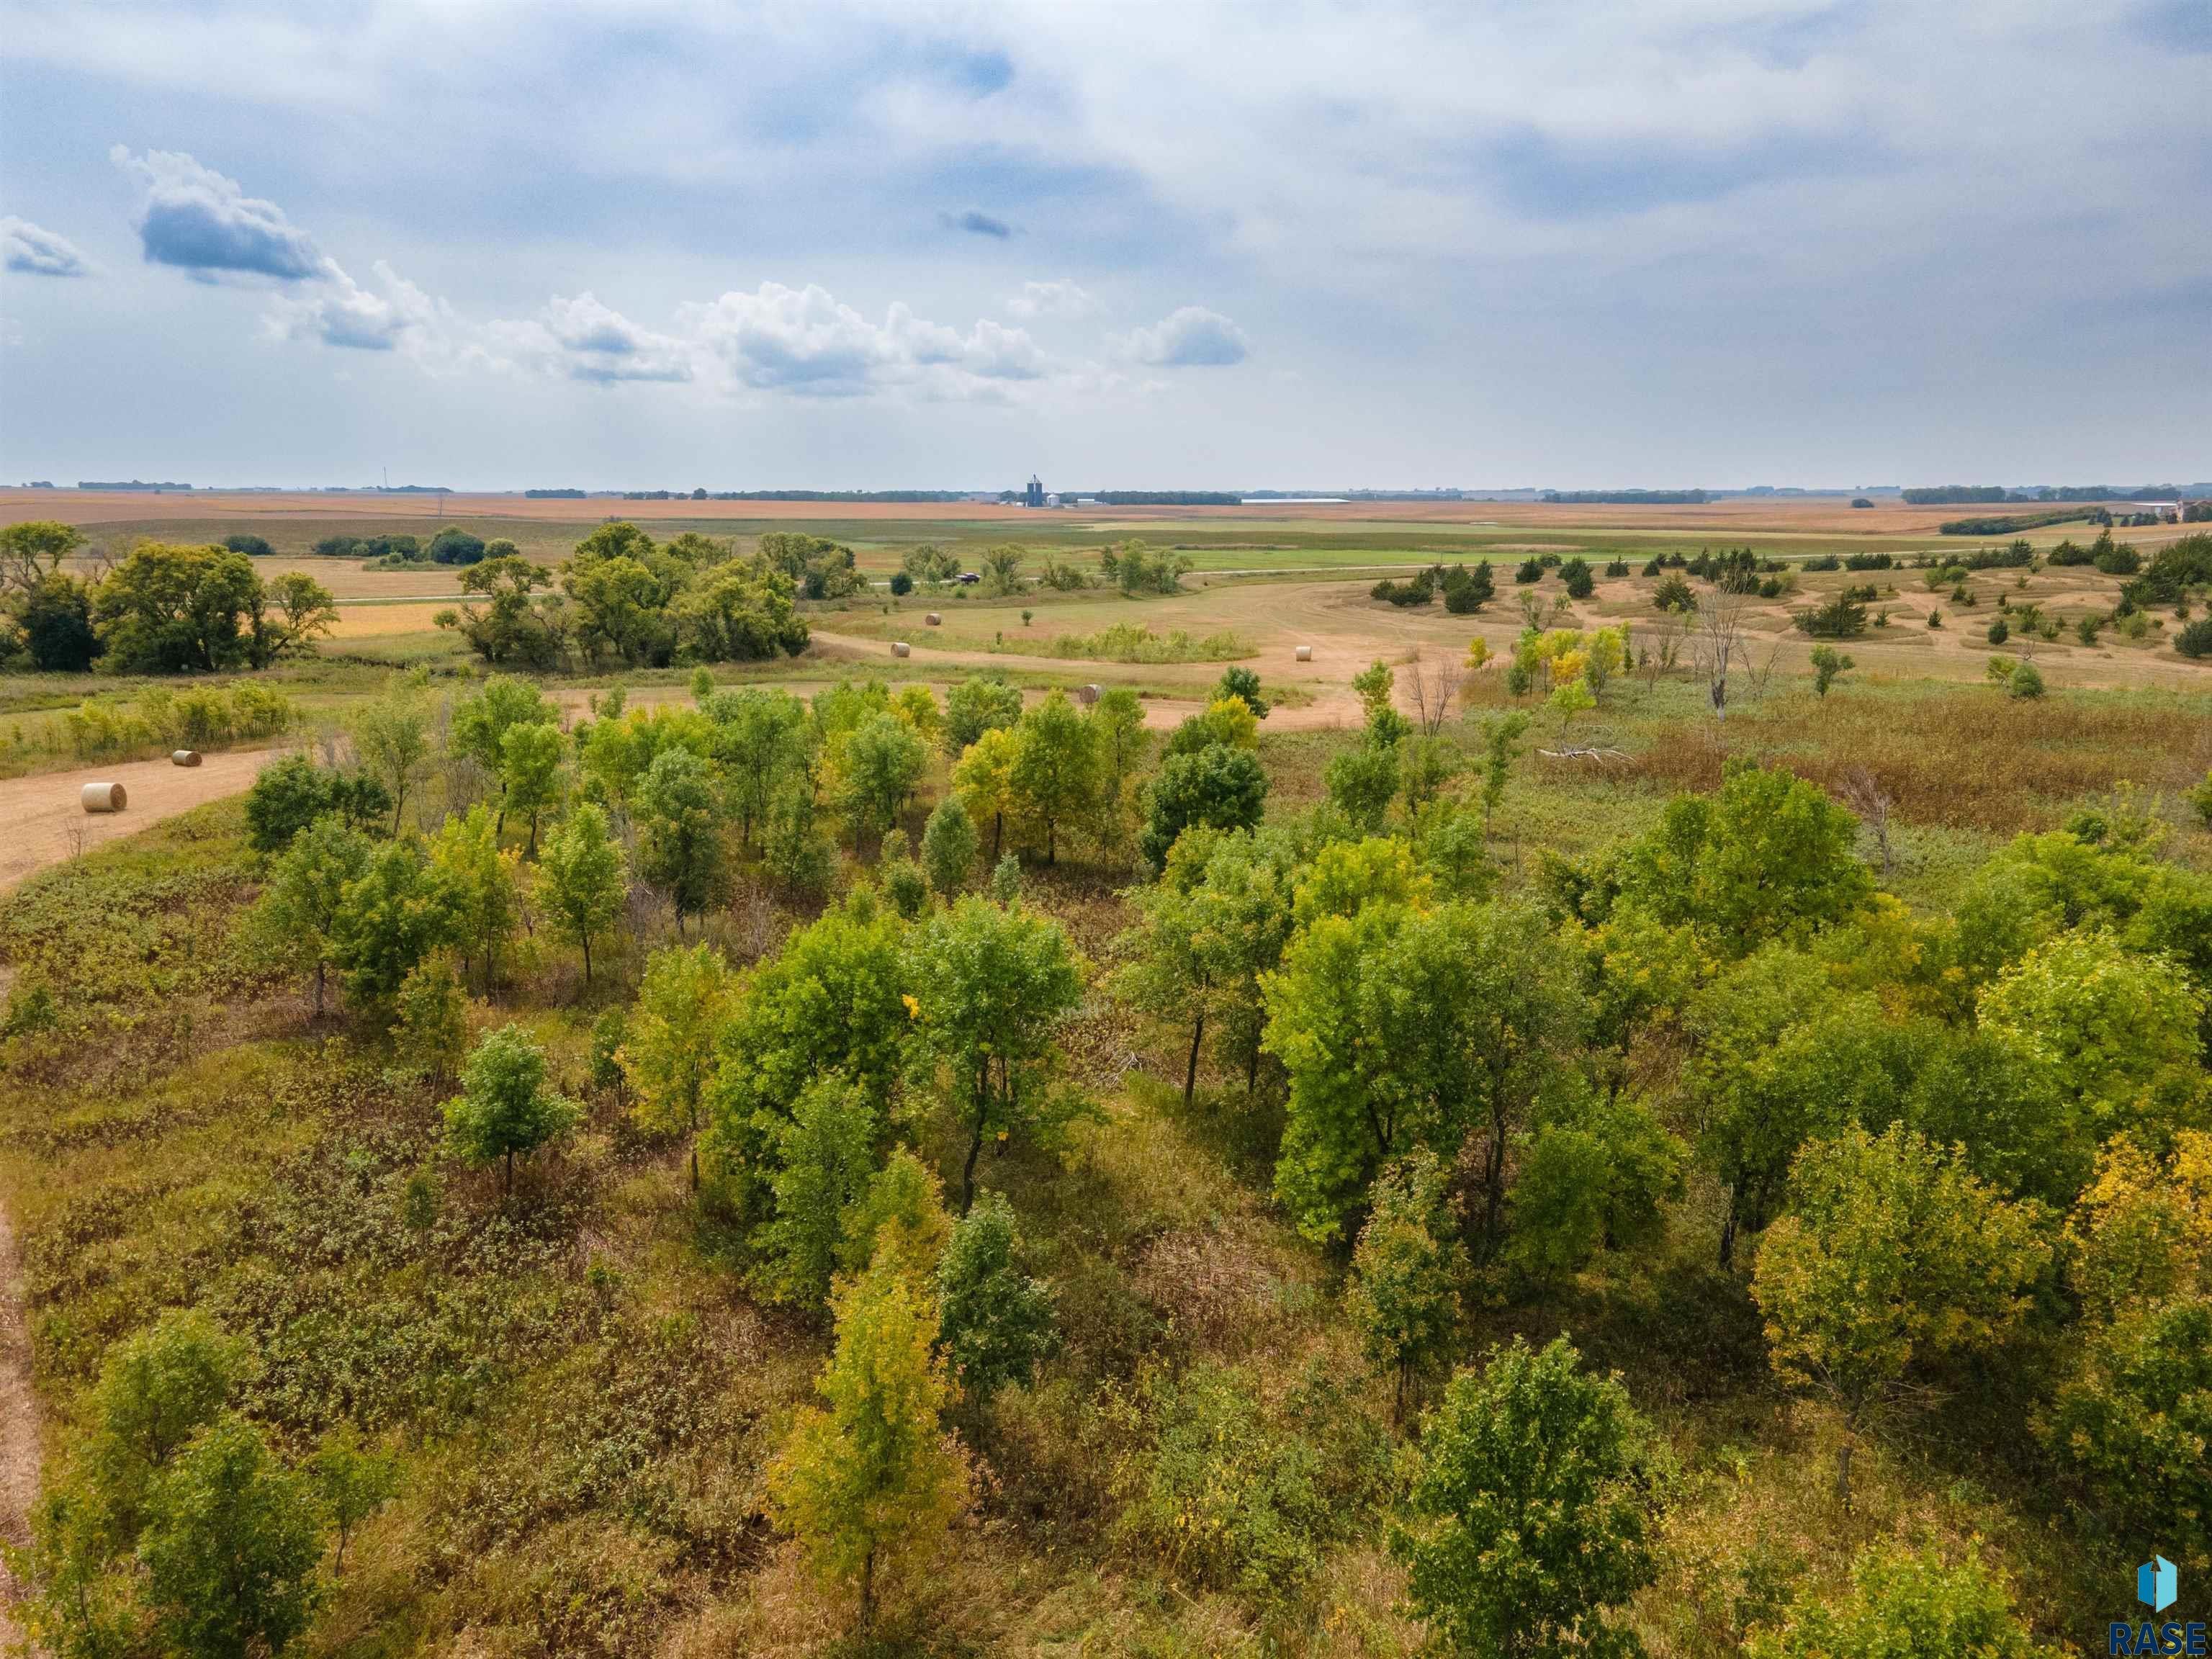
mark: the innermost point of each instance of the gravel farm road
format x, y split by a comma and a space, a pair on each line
42, 821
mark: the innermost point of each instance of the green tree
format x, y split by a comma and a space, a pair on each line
983, 780
1501, 747
505, 1107
1407, 1269
305, 611
1220, 786
353, 1482
988, 985
299, 909
1240, 682
899, 1223
1890, 1254
869, 1484
825, 1159
762, 740
1829, 665
389, 918
976, 706
169, 610
289, 794
997, 1323
479, 884
1768, 856
1903, 1602
157, 1389
828, 1002
669, 1057
391, 735
879, 765
1401, 1029
233, 1539
739, 610
1167, 972
430, 1020
679, 833
949, 847
481, 723
1053, 777
2133, 1414
584, 878
1362, 783
1532, 1510
1594, 1178
2116, 1029
511, 626
532, 774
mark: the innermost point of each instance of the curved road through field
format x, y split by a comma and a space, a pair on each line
42, 821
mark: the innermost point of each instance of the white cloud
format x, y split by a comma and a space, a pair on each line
805, 341
337, 311
1190, 337
38, 252
584, 339
1062, 297
193, 217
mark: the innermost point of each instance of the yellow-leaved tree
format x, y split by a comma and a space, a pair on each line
869, 1482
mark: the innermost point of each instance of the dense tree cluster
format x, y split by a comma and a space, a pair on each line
161, 610
624, 599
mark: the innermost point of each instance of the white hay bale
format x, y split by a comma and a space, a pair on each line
102, 796
935, 620
1305, 653
184, 757
901, 649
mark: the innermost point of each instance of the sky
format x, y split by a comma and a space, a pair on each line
1650, 243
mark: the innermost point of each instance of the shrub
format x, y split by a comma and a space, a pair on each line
902, 584
2195, 640
1842, 617
1528, 570
1673, 593
1221, 1496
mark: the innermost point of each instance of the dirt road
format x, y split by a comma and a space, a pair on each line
42, 821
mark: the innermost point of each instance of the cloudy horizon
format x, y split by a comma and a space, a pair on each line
1710, 242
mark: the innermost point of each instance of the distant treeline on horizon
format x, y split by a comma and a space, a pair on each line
1966, 495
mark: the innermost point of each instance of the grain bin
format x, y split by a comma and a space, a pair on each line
102, 796
901, 649
935, 620
184, 757
1305, 653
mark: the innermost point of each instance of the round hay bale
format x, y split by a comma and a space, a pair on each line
1305, 653
102, 796
901, 649
1087, 695
184, 757
935, 620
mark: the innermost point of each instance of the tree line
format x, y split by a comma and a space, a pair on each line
160, 610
